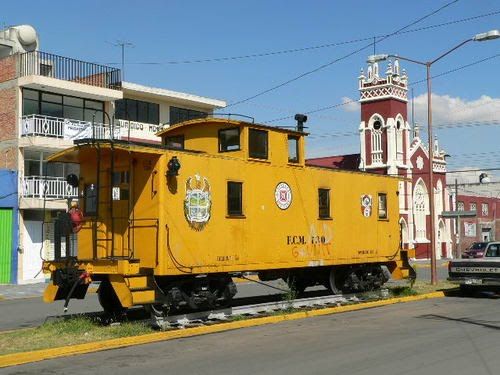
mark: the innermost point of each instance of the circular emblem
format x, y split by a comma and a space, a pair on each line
283, 195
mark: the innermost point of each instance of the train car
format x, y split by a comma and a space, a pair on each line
170, 225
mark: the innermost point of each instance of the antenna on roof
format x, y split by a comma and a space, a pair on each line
123, 44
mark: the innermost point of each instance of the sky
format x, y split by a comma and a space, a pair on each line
320, 46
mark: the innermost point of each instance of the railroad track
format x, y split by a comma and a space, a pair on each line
199, 318
260, 309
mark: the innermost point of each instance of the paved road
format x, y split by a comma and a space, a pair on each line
441, 336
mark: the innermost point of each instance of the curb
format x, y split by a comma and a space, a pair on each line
43, 354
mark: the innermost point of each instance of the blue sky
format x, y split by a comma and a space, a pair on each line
166, 31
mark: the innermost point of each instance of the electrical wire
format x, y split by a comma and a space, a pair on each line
302, 49
321, 67
350, 101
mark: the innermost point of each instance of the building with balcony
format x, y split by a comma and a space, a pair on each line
46, 102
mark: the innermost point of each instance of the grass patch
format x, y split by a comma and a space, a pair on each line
420, 287
67, 332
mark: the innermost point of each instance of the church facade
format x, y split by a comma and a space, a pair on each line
389, 145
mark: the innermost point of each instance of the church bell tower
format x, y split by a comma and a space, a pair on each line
384, 130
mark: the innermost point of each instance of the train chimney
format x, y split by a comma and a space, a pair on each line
301, 119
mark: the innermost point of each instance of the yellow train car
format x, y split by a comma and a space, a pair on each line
170, 225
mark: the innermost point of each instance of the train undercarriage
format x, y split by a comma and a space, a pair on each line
209, 291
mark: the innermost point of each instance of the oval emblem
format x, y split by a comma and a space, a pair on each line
283, 195
197, 202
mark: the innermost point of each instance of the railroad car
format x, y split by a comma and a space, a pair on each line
170, 225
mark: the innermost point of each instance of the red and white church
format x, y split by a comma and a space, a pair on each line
388, 145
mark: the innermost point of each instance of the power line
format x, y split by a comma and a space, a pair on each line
315, 136
346, 102
304, 49
321, 67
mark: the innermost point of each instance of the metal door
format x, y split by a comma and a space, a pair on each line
32, 244
5, 244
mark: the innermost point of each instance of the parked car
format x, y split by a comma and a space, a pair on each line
476, 250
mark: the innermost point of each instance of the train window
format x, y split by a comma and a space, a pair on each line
293, 149
257, 145
90, 200
229, 139
324, 203
176, 142
234, 198
382, 206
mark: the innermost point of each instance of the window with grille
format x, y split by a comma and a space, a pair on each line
382, 206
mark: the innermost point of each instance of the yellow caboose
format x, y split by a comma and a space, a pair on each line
171, 224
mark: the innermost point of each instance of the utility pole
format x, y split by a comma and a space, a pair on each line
457, 222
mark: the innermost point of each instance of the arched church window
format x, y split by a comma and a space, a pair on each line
377, 141
420, 209
399, 140
438, 198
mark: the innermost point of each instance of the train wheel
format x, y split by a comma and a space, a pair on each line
109, 300
334, 281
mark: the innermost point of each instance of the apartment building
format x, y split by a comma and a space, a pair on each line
46, 102
485, 225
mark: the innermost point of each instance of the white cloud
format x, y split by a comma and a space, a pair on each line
448, 110
445, 108
350, 105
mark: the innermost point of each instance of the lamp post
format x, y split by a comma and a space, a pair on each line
490, 35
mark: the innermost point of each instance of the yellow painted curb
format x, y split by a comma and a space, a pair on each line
444, 265
40, 355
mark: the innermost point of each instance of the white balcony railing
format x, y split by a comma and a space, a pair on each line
48, 187
69, 129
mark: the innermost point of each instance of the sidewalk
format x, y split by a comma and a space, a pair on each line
13, 291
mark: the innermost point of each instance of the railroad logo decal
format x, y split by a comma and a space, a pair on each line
283, 195
198, 202
366, 205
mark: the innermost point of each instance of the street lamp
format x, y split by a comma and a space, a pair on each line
490, 35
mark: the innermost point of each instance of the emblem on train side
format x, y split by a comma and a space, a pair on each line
283, 195
198, 202
366, 205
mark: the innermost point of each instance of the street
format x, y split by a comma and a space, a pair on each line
441, 336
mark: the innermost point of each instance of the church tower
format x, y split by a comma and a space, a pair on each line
384, 130
385, 134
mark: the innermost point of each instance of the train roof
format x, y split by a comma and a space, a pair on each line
70, 155
230, 122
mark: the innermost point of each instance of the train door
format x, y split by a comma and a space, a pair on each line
121, 209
